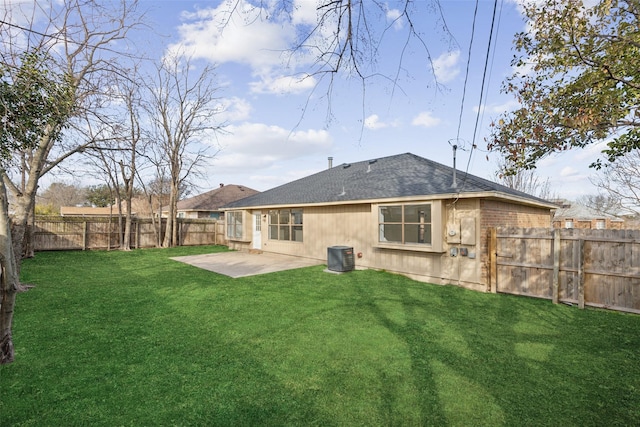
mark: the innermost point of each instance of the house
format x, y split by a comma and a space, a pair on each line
90, 211
141, 207
400, 213
207, 205
575, 215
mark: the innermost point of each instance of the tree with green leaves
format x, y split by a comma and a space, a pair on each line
34, 103
101, 195
80, 37
576, 79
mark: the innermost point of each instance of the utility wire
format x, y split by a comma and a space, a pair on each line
493, 57
466, 75
30, 30
484, 75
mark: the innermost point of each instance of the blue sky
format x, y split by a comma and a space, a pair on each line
281, 127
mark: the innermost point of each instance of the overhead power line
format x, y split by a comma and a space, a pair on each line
30, 30
484, 75
466, 75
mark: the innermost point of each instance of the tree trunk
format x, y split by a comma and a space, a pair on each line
171, 231
168, 233
174, 228
9, 282
25, 196
28, 245
126, 244
20, 228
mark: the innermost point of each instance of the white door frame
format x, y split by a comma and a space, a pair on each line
256, 240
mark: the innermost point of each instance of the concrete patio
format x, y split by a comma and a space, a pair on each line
243, 264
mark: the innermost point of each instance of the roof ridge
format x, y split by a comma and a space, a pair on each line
399, 175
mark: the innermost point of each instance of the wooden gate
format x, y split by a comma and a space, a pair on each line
599, 268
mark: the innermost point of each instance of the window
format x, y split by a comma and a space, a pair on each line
285, 224
234, 225
405, 224
257, 222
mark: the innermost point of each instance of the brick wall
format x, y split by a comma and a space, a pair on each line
495, 213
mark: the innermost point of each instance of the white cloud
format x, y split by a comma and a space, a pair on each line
243, 37
283, 85
498, 108
591, 152
304, 12
24, 13
234, 109
425, 119
246, 37
373, 122
445, 67
251, 146
394, 15
568, 171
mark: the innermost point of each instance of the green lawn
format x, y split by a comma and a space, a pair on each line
112, 338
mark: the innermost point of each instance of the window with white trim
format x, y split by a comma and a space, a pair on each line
405, 224
285, 224
234, 225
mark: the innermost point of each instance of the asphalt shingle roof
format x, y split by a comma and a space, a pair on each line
402, 175
214, 199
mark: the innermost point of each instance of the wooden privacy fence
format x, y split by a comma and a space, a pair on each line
65, 233
599, 268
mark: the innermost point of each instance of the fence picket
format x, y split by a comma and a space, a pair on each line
63, 233
599, 268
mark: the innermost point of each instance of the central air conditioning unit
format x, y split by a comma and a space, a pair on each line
340, 258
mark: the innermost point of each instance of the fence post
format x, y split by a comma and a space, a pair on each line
581, 273
137, 238
84, 235
556, 266
493, 260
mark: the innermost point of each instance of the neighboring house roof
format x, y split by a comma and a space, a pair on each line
88, 211
214, 199
581, 212
403, 175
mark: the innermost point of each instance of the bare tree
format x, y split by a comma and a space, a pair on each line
347, 37
76, 40
157, 194
603, 204
34, 103
117, 157
619, 186
61, 194
80, 35
182, 106
525, 180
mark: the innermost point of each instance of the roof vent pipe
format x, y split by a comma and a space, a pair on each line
330, 162
455, 183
